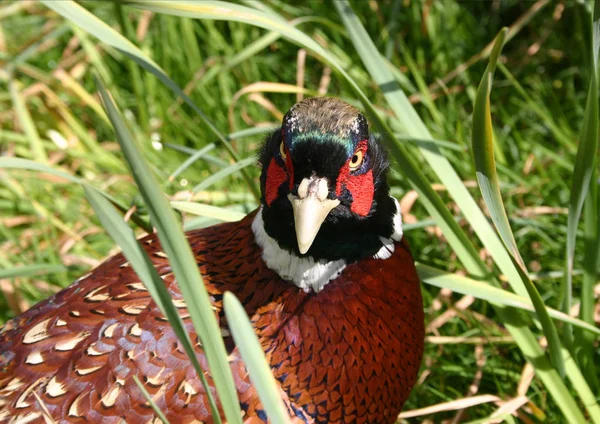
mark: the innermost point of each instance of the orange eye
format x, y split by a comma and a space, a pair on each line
356, 161
282, 150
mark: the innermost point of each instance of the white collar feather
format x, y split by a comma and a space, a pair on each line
306, 273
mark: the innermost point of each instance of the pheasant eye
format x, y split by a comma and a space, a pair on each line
356, 161
282, 150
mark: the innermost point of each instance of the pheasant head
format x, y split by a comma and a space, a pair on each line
325, 193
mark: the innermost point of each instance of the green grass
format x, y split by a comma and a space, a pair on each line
50, 113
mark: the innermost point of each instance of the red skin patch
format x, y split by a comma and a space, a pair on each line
276, 175
360, 186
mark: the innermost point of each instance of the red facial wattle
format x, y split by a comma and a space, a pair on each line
277, 175
360, 186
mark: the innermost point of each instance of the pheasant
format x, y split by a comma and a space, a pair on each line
321, 268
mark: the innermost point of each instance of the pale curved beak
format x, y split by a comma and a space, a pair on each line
311, 207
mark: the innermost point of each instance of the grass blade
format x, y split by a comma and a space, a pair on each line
182, 262
583, 342
585, 163
485, 166
468, 286
588, 397
189, 161
581, 177
218, 176
29, 270
153, 405
202, 153
37, 147
208, 211
414, 126
254, 357
483, 153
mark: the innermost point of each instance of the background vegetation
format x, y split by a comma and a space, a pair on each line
244, 78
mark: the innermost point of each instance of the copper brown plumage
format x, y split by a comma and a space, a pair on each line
348, 352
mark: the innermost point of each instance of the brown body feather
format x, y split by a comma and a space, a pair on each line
349, 353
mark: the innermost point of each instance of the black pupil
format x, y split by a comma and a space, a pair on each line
354, 158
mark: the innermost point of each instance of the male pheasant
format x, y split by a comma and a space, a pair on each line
321, 269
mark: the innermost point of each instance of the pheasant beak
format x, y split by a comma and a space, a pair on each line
311, 207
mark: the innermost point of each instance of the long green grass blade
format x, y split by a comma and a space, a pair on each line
38, 151
18, 163
193, 158
468, 286
584, 343
414, 126
151, 402
589, 398
208, 211
182, 262
530, 348
585, 162
581, 178
254, 357
218, 176
202, 153
29, 270
139, 261
483, 153
487, 177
